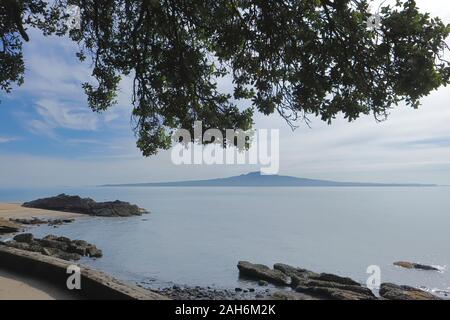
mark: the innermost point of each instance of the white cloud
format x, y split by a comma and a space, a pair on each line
42, 128
408, 147
53, 78
8, 139
59, 115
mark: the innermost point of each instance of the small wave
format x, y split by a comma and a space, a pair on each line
445, 294
442, 293
441, 269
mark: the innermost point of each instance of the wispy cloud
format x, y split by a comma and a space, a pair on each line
8, 139
59, 115
53, 79
41, 128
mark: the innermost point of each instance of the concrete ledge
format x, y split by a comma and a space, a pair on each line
94, 284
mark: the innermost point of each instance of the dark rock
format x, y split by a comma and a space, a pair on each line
55, 244
53, 252
116, 209
207, 293
50, 222
60, 239
24, 237
425, 267
334, 293
50, 251
33, 247
9, 226
296, 281
88, 206
395, 292
262, 272
84, 249
58, 222
68, 256
412, 265
312, 284
79, 247
307, 284
93, 252
291, 295
334, 278
293, 271
59, 247
32, 221
263, 283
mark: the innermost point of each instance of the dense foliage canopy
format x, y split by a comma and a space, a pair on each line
292, 57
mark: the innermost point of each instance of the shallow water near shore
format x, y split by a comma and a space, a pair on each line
196, 236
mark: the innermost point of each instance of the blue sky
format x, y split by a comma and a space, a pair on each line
49, 136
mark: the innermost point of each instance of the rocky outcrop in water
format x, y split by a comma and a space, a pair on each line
54, 246
395, 292
76, 204
262, 272
308, 285
294, 272
333, 290
412, 265
8, 226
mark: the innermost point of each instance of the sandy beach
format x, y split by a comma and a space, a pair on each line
16, 211
14, 286
24, 273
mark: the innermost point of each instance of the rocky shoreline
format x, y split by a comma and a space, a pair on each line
281, 282
312, 285
414, 265
8, 226
54, 246
178, 292
62, 247
285, 282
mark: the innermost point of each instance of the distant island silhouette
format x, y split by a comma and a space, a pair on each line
256, 179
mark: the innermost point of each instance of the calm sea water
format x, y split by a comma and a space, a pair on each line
196, 236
